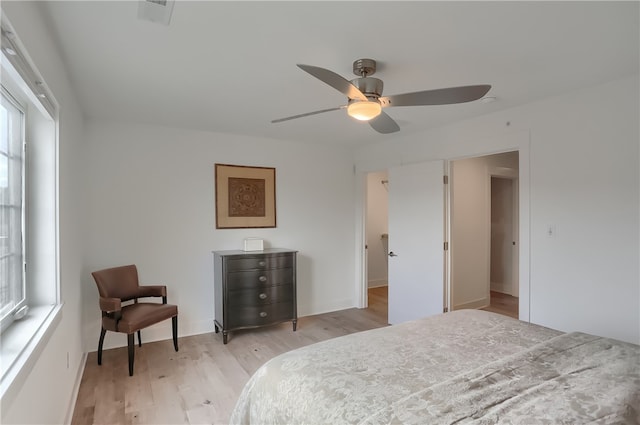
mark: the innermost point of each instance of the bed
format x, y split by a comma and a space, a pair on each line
467, 366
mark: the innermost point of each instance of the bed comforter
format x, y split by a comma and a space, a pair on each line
466, 366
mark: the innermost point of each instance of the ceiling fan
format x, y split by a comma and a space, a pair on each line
365, 100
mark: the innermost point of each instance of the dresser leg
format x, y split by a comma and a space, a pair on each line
295, 324
224, 337
216, 328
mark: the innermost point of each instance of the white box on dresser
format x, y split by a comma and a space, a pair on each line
253, 244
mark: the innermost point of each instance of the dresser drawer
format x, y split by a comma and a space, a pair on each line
260, 315
261, 296
260, 263
259, 278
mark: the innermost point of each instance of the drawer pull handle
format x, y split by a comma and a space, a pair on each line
262, 296
262, 278
263, 314
262, 263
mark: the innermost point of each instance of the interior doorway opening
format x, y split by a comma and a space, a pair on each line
484, 233
503, 269
474, 281
377, 242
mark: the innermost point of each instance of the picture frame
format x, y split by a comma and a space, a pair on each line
245, 196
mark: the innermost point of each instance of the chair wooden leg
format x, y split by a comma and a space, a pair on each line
131, 347
174, 328
100, 342
139, 340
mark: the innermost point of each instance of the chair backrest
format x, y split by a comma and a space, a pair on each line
117, 282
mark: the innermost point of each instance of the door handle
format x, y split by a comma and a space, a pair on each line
391, 254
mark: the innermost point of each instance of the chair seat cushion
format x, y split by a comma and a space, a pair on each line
140, 315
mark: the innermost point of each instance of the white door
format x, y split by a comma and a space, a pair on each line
416, 241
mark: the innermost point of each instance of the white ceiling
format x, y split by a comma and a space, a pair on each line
230, 67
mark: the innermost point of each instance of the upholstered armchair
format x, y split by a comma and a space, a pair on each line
116, 287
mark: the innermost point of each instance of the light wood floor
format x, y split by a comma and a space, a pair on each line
201, 382
503, 304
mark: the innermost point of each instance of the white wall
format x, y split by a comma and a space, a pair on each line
45, 396
151, 202
377, 225
582, 161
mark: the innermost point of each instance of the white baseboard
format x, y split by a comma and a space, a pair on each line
475, 304
76, 389
376, 283
336, 305
162, 331
158, 332
500, 287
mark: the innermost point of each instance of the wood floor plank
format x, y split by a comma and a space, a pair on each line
504, 304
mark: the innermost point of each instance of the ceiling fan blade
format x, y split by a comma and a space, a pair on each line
384, 124
334, 80
307, 114
437, 97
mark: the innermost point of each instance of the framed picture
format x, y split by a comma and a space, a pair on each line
245, 196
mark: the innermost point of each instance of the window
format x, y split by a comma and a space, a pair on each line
12, 282
29, 272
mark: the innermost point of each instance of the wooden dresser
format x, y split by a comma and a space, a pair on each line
254, 288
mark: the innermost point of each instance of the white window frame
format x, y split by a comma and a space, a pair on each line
17, 289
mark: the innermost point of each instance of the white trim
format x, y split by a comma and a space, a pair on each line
22, 65
524, 234
76, 390
447, 237
475, 304
377, 283
17, 373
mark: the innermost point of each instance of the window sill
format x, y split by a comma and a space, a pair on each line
21, 345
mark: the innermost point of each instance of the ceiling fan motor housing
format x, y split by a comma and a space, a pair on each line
369, 86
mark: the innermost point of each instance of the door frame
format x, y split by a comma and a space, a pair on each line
480, 146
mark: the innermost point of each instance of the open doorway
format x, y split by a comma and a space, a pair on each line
414, 263
377, 240
504, 231
484, 233
471, 249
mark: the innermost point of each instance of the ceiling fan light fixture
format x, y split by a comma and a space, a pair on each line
364, 110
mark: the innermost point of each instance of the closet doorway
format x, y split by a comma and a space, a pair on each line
484, 233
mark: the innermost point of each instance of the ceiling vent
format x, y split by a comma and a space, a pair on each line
158, 11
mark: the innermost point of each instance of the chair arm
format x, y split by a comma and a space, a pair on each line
110, 305
152, 291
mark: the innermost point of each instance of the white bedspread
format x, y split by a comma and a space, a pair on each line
467, 366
